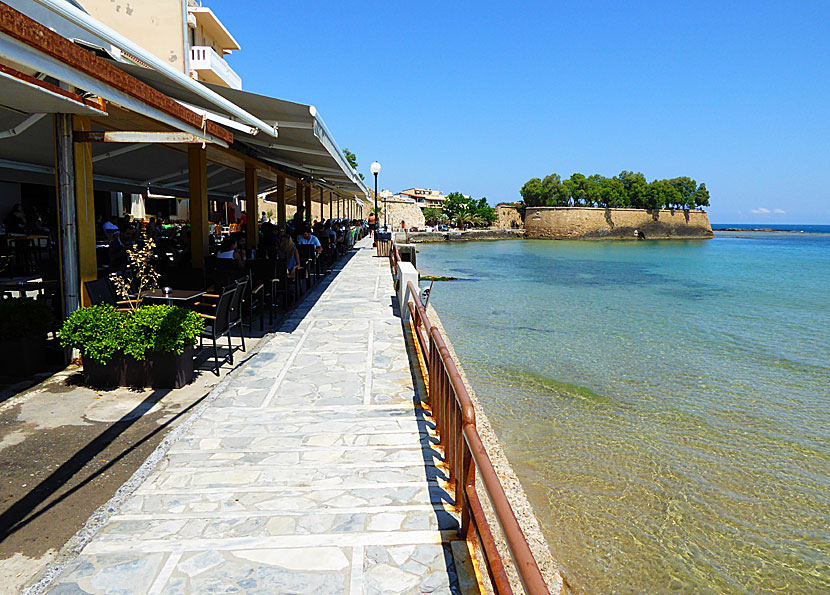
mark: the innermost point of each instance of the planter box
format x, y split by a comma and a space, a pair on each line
160, 370
22, 356
169, 370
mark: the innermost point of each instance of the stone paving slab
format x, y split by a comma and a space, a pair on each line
315, 471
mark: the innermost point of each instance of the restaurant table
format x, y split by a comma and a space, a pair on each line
176, 297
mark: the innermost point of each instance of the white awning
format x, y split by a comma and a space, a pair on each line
29, 95
304, 148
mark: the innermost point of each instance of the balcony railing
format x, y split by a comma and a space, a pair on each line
212, 67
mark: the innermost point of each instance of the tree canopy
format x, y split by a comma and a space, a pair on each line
626, 190
463, 211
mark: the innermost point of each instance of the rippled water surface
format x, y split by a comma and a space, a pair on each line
665, 403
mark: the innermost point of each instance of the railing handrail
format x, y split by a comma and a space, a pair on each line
525, 562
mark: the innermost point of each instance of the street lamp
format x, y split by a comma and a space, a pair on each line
375, 169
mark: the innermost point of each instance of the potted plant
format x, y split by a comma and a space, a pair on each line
148, 346
24, 323
164, 337
141, 345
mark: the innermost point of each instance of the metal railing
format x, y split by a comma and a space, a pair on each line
466, 457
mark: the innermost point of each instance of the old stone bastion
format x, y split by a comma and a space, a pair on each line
597, 223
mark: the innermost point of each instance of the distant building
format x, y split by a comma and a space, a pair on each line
425, 197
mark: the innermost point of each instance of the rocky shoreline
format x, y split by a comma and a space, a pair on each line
426, 237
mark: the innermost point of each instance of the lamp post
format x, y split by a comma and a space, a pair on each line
375, 169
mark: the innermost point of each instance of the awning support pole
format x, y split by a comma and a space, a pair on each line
251, 206
197, 172
85, 208
307, 190
331, 206
300, 201
281, 214
68, 238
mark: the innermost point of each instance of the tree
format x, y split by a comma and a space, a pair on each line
701, 196
610, 193
467, 211
432, 215
634, 186
455, 204
352, 159
553, 194
577, 189
533, 193
485, 213
628, 189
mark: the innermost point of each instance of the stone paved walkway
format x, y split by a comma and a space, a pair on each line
313, 472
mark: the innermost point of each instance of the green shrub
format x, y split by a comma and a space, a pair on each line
100, 331
162, 328
24, 317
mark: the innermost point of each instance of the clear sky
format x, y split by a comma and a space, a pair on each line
480, 96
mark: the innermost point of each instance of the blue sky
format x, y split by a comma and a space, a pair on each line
481, 96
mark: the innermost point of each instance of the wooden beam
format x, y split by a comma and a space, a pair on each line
84, 208
135, 136
331, 206
322, 215
197, 170
251, 206
308, 214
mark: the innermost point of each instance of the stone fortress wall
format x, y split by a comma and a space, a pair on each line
591, 223
509, 217
397, 211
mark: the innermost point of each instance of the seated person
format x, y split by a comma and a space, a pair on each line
109, 226
307, 238
117, 253
230, 251
289, 252
16, 220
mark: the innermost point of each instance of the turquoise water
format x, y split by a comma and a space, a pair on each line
665, 403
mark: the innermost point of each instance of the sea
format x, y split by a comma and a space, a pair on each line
666, 404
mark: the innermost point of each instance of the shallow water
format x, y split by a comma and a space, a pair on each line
665, 403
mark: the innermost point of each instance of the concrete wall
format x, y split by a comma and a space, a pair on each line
156, 25
509, 217
588, 223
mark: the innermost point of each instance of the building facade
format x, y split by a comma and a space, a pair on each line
190, 37
424, 197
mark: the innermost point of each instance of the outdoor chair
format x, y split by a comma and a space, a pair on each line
254, 299
227, 272
217, 323
264, 275
235, 314
308, 262
101, 291
289, 286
